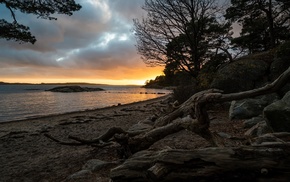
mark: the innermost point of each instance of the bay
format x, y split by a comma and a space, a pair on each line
18, 102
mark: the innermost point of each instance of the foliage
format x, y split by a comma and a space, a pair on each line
184, 92
209, 71
176, 79
158, 82
181, 33
265, 23
42, 9
190, 51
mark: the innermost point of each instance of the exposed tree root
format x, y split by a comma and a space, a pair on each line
191, 115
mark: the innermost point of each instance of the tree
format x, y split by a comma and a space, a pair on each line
41, 8
183, 31
265, 23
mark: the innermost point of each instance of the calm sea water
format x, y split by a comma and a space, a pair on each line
19, 102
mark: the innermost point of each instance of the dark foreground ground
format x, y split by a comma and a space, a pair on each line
27, 155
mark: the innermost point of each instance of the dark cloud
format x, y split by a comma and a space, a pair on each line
98, 36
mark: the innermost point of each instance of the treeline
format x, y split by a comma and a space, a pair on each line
189, 37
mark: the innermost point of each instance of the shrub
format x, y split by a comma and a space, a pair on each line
182, 93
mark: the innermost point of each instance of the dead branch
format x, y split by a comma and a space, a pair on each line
99, 142
103, 138
62, 142
129, 144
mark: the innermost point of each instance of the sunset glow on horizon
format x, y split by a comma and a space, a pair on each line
141, 78
94, 45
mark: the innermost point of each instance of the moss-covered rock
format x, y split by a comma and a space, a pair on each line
241, 75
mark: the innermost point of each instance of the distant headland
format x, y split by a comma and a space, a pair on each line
68, 83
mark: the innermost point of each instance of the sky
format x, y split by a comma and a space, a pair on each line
94, 45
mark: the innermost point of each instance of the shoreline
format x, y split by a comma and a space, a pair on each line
66, 114
28, 155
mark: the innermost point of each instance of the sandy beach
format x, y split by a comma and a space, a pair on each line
27, 155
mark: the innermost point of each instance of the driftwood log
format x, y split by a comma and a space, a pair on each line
195, 106
259, 161
209, 164
191, 115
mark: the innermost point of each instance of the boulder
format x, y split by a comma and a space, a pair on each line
253, 121
259, 129
277, 114
248, 108
95, 165
83, 175
245, 109
241, 75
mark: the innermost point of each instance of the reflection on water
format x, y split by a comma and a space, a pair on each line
24, 101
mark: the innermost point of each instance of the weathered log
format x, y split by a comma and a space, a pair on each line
99, 142
157, 171
195, 105
62, 142
144, 141
194, 109
129, 142
103, 138
187, 108
218, 164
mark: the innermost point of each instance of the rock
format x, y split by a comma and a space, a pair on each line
263, 128
95, 165
281, 61
269, 99
83, 175
245, 109
259, 129
248, 108
68, 89
266, 138
277, 114
241, 75
286, 98
253, 121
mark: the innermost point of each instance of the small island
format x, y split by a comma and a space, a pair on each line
69, 89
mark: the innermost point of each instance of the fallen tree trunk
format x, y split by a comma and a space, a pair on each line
216, 164
195, 106
194, 109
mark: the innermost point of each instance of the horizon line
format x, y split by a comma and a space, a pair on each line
65, 83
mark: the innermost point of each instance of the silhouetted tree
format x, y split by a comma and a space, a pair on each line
265, 22
41, 8
180, 31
